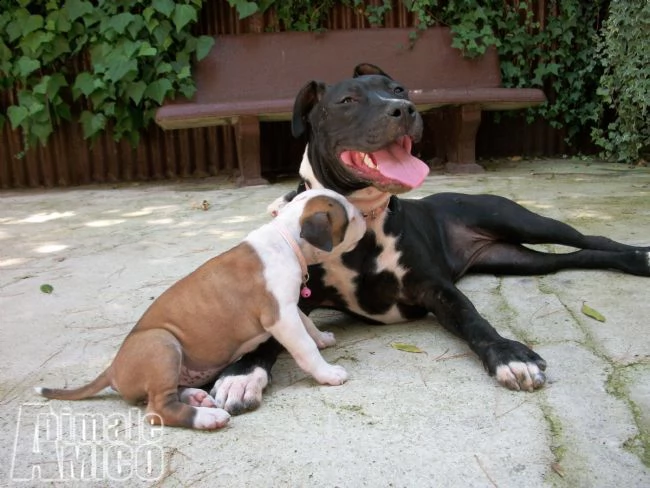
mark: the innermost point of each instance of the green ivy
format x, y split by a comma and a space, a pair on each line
624, 118
559, 57
132, 54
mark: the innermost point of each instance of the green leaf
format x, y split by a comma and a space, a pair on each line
56, 82
147, 13
136, 90
108, 109
165, 7
47, 288
120, 22
187, 90
162, 35
147, 49
26, 66
400, 346
92, 123
184, 72
35, 107
244, 9
158, 90
55, 49
84, 85
14, 30
163, 68
135, 26
594, 314
119, 68
17, 114
63, 111
41, 87
32, 23
59, 21
32, 43
183, 15
203, 46
77, 9
42, 130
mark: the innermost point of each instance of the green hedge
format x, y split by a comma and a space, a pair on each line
625, 84
133, 54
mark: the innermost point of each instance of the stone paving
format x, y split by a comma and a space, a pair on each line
404, 419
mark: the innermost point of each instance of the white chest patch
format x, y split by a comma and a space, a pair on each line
345, 280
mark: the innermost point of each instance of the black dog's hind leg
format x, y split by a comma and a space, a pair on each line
509, 225
512, 259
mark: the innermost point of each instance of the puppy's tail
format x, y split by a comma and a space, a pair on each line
98, 384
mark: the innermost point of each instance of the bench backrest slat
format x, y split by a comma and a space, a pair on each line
277, 65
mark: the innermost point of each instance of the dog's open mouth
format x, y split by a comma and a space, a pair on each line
390, 166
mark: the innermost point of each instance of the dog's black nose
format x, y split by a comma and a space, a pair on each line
401, 108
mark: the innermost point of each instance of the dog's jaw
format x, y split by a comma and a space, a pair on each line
391, 169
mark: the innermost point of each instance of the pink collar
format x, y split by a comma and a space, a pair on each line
375, 212
304, 291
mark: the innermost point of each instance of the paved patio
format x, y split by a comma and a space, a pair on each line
403, 419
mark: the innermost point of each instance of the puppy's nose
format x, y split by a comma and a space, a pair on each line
401, 109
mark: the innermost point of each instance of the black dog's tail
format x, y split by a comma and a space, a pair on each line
98, 384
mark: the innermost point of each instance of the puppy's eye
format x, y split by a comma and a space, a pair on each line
398, 90
347, 100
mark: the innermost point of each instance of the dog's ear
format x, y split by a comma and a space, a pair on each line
369, 69
308, 96
324, 223
317, 231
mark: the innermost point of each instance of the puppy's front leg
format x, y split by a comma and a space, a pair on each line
322, 339
291, 332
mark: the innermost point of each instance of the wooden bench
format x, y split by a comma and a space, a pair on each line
249, 78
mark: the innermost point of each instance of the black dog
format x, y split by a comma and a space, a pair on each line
360, 133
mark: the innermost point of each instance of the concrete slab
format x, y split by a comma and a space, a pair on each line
403, 419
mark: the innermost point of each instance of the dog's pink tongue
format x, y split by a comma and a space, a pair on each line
398, 164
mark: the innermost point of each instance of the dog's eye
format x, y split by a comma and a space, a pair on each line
347, 100
398, 90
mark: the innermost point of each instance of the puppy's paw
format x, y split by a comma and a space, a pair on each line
196, 397
325, 339
210, 418
240, 393
331, 374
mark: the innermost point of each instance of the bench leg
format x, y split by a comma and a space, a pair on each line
462, 123
247, 134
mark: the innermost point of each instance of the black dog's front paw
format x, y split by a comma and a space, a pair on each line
515, 365
240, 393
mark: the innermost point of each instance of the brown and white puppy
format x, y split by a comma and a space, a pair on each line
227, 307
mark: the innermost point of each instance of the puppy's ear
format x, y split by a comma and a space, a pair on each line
324, 223
368, 69
317, 231
308, 96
